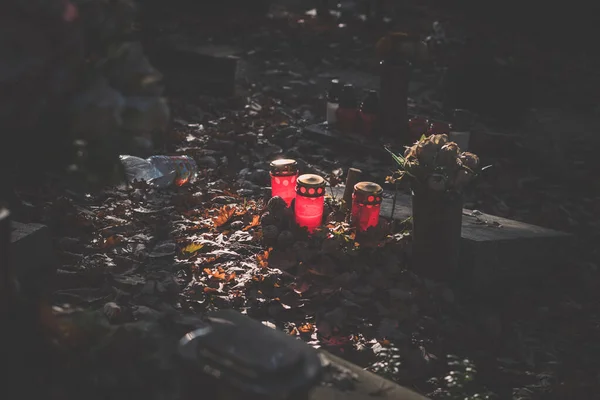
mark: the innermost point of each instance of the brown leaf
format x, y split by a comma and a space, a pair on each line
255, 222
218, 274
111, 242
263, 259
223, 216
307, 328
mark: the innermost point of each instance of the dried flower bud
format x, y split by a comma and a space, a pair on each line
448, 155
276, 205
270, 234
469, 160
426, 152
268, 219
439, 140
285, 239
437, 182
411, 152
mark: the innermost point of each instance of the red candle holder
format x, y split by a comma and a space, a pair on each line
366, 205
439, 128
283, 179
417, 127
310, 199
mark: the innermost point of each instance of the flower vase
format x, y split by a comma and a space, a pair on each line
437, 222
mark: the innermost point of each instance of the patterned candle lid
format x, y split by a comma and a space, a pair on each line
309, 185
368, 193
284, 167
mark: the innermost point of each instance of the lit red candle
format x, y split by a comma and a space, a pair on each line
283, 179
366, 205
310, 198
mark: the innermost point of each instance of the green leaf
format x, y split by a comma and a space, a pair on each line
398, 158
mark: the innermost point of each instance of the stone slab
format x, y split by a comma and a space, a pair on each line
32, 256
365, 385
495, 251
323, 133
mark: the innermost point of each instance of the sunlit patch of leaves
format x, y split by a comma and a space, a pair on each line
389, 362
459, 382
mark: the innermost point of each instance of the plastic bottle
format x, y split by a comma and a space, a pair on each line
160, 171
333, 100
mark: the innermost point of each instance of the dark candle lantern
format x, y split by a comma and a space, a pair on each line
283, 179
310, 199
366, 205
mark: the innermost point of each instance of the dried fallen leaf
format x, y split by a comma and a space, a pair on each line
255, 222
223, 216
111, 242
192, 248
216, 274
307, 328
263, 259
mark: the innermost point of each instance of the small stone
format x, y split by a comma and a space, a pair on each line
244, 184
285, 239
245, 192
270, 234
244, 173
207, 161
224, 200
268, 219
300, 247
164, 249
260, 177
276, 205
236, 225
113, 312
260, 165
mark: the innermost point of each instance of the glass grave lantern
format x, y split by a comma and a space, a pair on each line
310, 199
283, 179
366, 205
